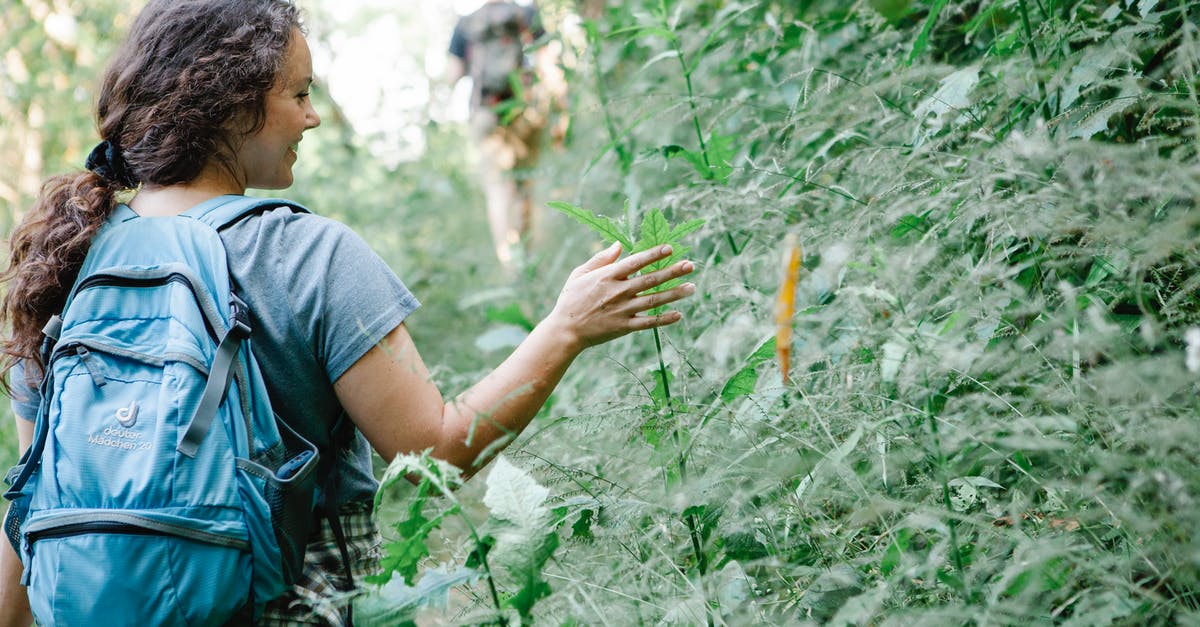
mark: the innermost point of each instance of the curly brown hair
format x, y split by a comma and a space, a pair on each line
187, 84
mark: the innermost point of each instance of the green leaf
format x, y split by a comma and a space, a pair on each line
659, 393
765, 351
895, 551
892, 10
529, 594
686, 228
639, 30
601, 225
512, 495
523, 527
478, 554
697, 161
721, 151
405, 554
398, 604
1018, 583
922, 40
951, 579
740, 384
402, 556
655, 231
910, 223
511, 314
671, 150
1102, 268
582, 528
714, 163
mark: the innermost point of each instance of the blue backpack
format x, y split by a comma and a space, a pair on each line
160, 488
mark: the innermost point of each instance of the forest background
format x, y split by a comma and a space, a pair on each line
942, 364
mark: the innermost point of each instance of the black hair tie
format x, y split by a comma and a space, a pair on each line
107, 162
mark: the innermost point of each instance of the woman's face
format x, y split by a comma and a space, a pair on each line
266, 157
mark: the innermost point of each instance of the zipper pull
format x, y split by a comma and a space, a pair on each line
27, 559
93, 365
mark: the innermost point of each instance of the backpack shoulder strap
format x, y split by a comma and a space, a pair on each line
223, 211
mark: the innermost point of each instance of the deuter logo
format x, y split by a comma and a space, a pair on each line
127, 416
123, 437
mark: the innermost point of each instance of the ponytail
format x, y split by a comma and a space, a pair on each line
46, 251
188, 72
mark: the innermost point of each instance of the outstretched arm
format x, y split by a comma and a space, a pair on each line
14, 604
393, 401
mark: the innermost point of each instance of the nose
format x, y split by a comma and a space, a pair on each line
311, 118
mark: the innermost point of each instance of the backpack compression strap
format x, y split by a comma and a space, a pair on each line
219, 213
219, 377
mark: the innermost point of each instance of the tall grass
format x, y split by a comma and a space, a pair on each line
988, 418
989, 415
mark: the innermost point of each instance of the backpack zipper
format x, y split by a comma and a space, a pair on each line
79, 529
127, 524
92, 365
102, 280
91, 347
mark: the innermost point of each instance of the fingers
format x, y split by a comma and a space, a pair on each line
639, 284
641, 323
600, 259
635, 262
657, 299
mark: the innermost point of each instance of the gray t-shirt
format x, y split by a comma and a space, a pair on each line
320, 298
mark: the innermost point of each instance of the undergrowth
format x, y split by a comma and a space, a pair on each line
989, 417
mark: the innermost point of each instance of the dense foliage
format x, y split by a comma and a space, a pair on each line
989, 416
990, 411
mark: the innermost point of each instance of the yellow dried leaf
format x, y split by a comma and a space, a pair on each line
785, 304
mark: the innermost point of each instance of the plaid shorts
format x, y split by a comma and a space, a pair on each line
319, 597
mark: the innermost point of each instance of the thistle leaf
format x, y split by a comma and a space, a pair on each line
686, 228
513, 496
601, 225
655, 230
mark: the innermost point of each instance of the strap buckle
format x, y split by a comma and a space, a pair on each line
239, 317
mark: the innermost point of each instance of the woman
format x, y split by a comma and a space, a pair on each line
210, 97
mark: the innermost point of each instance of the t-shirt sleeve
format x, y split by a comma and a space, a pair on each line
25, 398
344, 296
458, 42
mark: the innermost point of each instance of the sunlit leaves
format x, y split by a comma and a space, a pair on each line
713, 163
522, 526
601, 225
654, 230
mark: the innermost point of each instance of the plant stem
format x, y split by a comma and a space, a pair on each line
732, 244
688, 519
662, 369
951, 521
687, 79
1034, 55
491, 580
431, 479
602, 92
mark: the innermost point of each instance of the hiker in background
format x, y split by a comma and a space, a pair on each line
511, 99
205, 99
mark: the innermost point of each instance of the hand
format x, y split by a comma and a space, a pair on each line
602, 300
